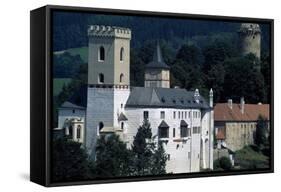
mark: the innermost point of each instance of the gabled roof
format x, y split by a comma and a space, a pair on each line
156, 97
71, 106
222, 112
163, 124
122, 117
157, 61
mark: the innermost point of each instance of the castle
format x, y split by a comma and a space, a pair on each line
182, 119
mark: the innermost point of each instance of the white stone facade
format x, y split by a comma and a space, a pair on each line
184, 153
71, 120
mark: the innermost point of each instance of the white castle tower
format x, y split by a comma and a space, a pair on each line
108, 81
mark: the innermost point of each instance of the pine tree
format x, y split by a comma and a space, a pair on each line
261, 139
149, 160
112, 157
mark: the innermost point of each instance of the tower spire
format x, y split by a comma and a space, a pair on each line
157, 61
157, 72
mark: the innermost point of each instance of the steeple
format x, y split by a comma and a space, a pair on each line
157, 72
157, 62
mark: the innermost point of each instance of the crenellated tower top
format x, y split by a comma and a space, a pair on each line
249, 29
109, 31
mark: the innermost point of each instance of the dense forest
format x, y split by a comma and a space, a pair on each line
202, 54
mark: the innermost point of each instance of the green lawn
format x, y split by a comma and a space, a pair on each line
58, 84
82, 51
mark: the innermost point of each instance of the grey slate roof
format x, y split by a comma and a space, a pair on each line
157, 61
71, 106
163, 124
122, 117
155, 97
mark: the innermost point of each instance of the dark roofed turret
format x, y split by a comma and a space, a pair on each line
157, 72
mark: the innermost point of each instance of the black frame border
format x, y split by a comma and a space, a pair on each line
46, 158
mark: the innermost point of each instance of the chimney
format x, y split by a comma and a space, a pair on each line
229, 102
211, 100
196, 95
242, 105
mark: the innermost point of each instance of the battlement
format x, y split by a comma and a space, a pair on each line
109, 31
249, 29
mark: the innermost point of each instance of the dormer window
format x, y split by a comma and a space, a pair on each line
101, 53
122, 54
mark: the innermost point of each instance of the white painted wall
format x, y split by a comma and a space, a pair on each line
179, 160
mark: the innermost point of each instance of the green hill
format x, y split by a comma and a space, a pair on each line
81, 51
58, 84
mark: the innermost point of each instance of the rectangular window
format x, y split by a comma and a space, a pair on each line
163, 132
189, 114
185, 114
78, 132
162, 114
145, 115
174, 114
174, 132
189, 155
188, 132
195, 130
179, 114
182, 114
183, 130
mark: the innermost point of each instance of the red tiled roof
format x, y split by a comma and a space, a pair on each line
220, 134
222, 112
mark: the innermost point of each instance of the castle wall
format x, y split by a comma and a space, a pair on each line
106, 67
104, 105
184, 154
122, 67
100, 108
239, 134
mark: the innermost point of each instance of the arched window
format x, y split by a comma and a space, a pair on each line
101, 78
122, 54
121, 77
78, 132
122, 125
101, 53
100, 126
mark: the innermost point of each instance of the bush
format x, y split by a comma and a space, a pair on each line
222, 164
